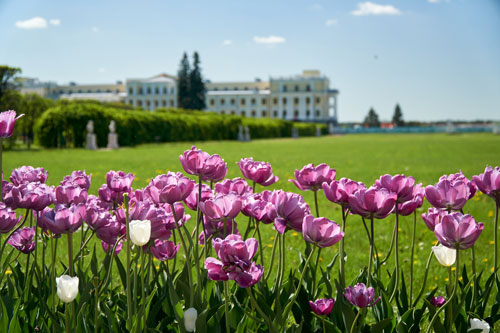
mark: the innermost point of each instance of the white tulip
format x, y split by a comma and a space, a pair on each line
67, 288
190, 316
478, 324
140, 232
445, 255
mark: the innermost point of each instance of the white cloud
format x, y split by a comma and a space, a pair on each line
316, 6
95, 29
370, 8
436, 1
227, 42
270, 40
55, 22
36, 22
331, 22
101, 70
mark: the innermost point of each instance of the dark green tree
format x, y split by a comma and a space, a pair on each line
183, 86
371, 119
196, 86
32, 105
7, 78
397, 118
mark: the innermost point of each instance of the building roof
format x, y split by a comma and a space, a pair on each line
238, 92
166, 78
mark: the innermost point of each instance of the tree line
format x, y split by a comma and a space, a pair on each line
372, 120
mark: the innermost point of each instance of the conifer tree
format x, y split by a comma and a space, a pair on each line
196, 86
183, 86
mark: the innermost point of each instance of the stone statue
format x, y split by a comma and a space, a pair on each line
91, 140
295, 132
241, 135
247, 134
318, 131
112, 136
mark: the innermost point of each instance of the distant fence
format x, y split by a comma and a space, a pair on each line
427, 129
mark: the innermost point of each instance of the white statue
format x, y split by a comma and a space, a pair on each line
91, 140
112, 136
247, 134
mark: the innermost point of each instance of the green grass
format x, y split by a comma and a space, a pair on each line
359, 157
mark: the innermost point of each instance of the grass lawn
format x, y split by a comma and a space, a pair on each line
360, 157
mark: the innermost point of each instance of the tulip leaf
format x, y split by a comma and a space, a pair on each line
4, 317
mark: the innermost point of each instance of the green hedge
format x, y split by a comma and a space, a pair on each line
64, 125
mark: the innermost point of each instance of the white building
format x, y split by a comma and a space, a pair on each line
159, 91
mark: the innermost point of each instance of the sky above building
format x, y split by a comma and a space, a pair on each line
439, 59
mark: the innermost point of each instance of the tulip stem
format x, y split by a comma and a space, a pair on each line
197, 262
53, 277
143, 300
412, 254
134, 298
316, 202
450, 308
226, 306
371, 253
474, 288
315, 269
436, 315
425, 279
259, 310
261, 252
341, 250
495, 231
273, 253
295, 294
324, 327
1, 170
82, 247
129, 295
355, 320
71, 273
188, 261
396, 252
68, 319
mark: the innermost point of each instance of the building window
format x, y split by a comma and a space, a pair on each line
149, 91
235, 88
308, 100
242, 101
140, 91
130, 102
284, 101
130, 91
246, 88
263, 101
232, 101
164, 90
98, 90
275, 114
284, 113
79, 91
223, 112
222, 101
318, 100
308, 113
164, 103
275, 101
264, 113
212, 102
225, 88
254, 113
139, 103
253, 101
296, 113
317, 113
156, 104
284, 88
148, 104
295, 101
232, 112
215, 89
243, 113
171, 102
308, 88
296, 88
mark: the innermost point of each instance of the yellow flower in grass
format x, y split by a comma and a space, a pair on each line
295, 234
492, 242
490, 213
8, 272
269, 245
485, 259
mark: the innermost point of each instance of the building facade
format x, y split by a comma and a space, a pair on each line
159, 91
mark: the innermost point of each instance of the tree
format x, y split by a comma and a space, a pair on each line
397, 118
183, 85
371, 119
196, 86
7, 76
32, 105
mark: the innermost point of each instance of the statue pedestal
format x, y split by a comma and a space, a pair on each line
113, 141
91, 142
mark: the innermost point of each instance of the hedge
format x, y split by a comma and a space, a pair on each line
64, 125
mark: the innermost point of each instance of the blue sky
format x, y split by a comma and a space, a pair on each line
438, 59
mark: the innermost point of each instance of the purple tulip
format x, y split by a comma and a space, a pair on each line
408, 207
290, 211
70, 194
8, 219
78, 178
108, 195
109, 247
433, 217
489, 182
201, 164
448, 195
400, 185
65, 220
458, 231
28, 174
7, 121
460, 177
259, 172
338, 191
23, 239
322, 306
111, 231
161, 218
438, 301
119, 181
7, 194
237, 186
216, 229
321, 231
164, 250
311, 177
361, 296
34, 196
260, 206
235, 261
169, 188
372, 202
192, 199
221, 207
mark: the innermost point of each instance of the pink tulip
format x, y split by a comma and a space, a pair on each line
216, 229
408, 207
119, 181
169, 188
34, 196
311, 177
23, 239
221, 207
237, 186
372, 202
322, 306
338, 191
433, 217
201, 164
65, 220
448, 195
192, 199
109, 247
458, 231
7, 121
28, 174
8, 219
361, 296
321, 231
290, 211
259, 172
70, 194
109, 196
438, 301
260, 206
78, 178
164, 250
111, 231
400, 185
489, 182
459, 176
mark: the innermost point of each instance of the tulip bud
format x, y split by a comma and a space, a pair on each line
478, 324
67, 288
190, 316
444, 255
140, 232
